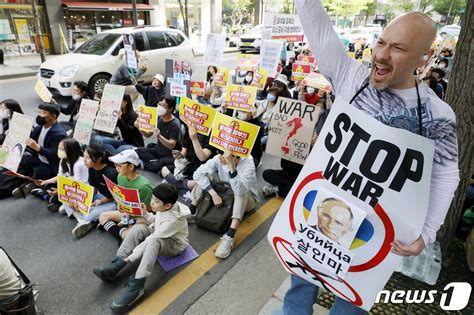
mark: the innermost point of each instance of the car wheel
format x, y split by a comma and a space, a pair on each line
97, 83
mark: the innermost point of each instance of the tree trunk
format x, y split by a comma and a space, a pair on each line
186, 20
459, 97
37, 25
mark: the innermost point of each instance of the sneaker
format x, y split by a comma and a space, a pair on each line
18, 192
62, 209
38, 192
133, 291
28, 188
225, 247
123, 222
82, 228
270, 190
187, 196
109, 272
53, 207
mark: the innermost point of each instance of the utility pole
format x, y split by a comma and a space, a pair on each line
38, 31
134, 12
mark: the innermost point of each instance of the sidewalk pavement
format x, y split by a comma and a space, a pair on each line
25, 66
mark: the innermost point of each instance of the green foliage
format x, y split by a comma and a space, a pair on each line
346, 8
443, 6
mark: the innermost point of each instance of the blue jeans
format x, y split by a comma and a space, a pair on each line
302, 295
94, 212
114, 146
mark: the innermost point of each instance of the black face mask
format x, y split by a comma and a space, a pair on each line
40, 120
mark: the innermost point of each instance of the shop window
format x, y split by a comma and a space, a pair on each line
174, 39
156, 40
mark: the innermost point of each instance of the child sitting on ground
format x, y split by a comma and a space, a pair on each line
169, 238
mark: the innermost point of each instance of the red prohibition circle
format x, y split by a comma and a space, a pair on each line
387, 223
357, 301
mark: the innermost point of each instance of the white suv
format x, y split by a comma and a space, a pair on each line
96, 60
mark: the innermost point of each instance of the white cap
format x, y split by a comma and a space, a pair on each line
160, 78
282, 78
125, 156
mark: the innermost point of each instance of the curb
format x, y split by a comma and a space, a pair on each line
29, 74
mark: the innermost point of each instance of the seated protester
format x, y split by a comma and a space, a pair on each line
154, 93
248, 78
7, 108
250, 117
96, 159
10, 281
126, 163
80, 90
218, 95
131, 135
435, 86
311, 96
41, 161
211, 71
287, 71
196, 151
265, 113
241, 175
445, 65
168, 136
439, 75
128, 76
281, 83
71, 165
206, 98
168, 238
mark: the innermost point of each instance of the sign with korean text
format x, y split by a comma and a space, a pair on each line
75, 193
147, 118
14, 144
128, 200
177, 87
368, 176
234, 135
260, 79
215, 44
221, 77
197, 88
197, 115
300, 71
129, 46
85, 121
240, 97
270, 55
317, 81
291, 129
284, 26
247, 62
43, 91
107, 116
305, 59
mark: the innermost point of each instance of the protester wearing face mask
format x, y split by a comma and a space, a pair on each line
439, 74
211, 71
265, 113
154, 93
248, 78
311, 96
251, 117
131, 136
7, 108
80, 90
167, 135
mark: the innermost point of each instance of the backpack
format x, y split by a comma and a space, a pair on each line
214, 219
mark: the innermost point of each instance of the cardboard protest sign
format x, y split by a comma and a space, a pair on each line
197, 88
291, 129
305, 59
107, 116
196, 115
270, 55
240, 97
284, 26
72, 192
43, 91
14, 144
128, 200
214, 49
178, 73
234, 135
317, 81
221, 77
260, 79
357, 163
300, 71
85, 121
247, 62
147, 118
129, 46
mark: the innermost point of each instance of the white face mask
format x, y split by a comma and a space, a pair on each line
161, 111
242, 115
442, 66
310, 90
249, 78
4, 114
76, 96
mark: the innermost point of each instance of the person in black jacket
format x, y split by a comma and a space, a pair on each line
131, 136
80, 90
41, 161
154, 93
7, 108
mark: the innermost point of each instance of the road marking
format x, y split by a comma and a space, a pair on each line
177, 285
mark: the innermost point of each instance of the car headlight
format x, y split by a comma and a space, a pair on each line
69, 71
257, 41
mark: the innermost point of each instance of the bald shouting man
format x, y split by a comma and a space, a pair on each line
390, 94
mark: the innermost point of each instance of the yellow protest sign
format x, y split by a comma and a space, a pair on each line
72, 192
366, 54
352, 54
234, 135
221, 77
43, 91
260, 78
247, 62
240, 97
147, 118
197, 115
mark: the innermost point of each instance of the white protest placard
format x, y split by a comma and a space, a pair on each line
85, 121
129, 45
383, 171
107, 116
214, 49
291, 129
284, 26
177, 87
15, 142
270, 55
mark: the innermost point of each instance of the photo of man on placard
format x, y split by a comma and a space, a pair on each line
334, 218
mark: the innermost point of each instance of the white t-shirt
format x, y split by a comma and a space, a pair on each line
395, 108
10, 281
81, 172
41, 137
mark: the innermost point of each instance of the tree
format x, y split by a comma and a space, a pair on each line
237, 10
184, 13
459, 96
449, 8
404, 5
346, 8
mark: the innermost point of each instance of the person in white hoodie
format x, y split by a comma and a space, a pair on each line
168, 238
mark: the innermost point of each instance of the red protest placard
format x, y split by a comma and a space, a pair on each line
128, 200
196, 88
300, 71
